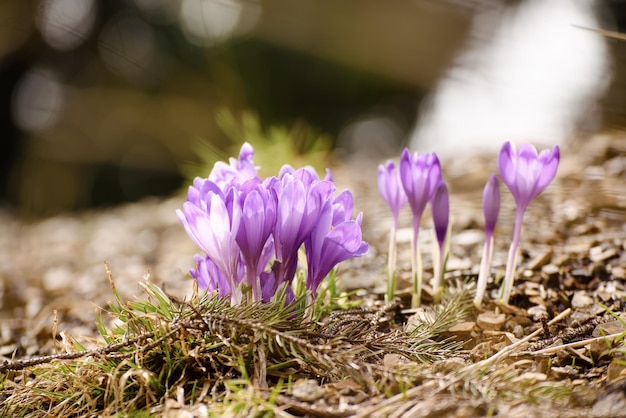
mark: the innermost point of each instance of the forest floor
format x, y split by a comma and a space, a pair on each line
556, 351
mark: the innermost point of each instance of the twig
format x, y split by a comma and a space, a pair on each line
24, 363
576, 344
606, 33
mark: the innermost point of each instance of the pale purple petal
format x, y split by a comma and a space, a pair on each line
527, 173
210, 277
491, 204
550, 162
506, 163
390, 188
419, 174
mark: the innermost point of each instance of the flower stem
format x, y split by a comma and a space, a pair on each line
416, 265
511, 264
391, 266
483, 275
438, 270
253, 282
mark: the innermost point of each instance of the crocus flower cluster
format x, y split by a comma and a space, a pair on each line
419, 180
250, 230
525, 172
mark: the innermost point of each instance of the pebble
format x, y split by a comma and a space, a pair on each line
491, 321
608, 328
307, 390
540, 260
537, 312
604, 255
581, 299
616, 370
580, 316
619, 273
462, 327
581, 273
550, 272
518, 331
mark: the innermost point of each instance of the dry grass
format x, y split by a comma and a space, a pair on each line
158, 355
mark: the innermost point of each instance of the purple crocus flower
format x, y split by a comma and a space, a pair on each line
440, 205
335, 238
242, 222
390, 189
491, 209
213, 226
419, 175
297, 213
526, 173
306, 174
209, 276
238, 171
258, 217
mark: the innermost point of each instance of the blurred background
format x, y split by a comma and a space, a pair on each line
105, 101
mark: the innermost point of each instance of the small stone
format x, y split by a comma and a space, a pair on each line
392, 361
604, 255
598, 349
537, 312
531, 289
616, 370
564, 372
540, 260
455, 264
307, 390
462, 327
608, 328
550, 272
581, 299
580, 316
619, 273
491, 321
518, 331
581, 274
510, 309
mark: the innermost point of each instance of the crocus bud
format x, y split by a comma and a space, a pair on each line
491, 204
440, 204
390, 188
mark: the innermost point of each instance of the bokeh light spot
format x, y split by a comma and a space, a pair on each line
66, 24
37, 101
127, 46
207, 22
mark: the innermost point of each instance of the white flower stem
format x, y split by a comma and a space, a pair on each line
416, 265
437, 264
511, 264
484, 273
391, 266
440, 257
